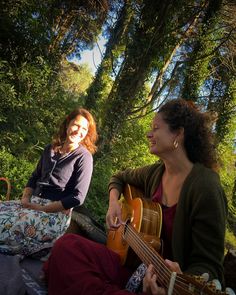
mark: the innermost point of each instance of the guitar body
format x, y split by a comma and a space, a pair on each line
145, 217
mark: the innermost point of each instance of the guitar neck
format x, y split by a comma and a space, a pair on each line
184, 284
147, 254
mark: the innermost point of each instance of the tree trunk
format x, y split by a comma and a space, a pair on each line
99, 88
147, 41
197, 69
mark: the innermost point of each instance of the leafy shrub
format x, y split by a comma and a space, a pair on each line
97, 198
17, 170
32, 102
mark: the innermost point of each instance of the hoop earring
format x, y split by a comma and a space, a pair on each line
176, 144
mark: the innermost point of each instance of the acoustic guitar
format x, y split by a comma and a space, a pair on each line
141, 232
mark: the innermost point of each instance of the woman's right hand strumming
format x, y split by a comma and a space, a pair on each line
113, 216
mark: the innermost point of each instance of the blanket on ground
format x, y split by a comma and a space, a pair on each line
20, 277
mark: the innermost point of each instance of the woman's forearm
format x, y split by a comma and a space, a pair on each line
49, 208
27, 193
53, 207
114, 195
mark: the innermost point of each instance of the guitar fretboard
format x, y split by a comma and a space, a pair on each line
147, 254
184, 285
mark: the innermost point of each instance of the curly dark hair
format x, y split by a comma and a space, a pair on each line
91, 137
198, 132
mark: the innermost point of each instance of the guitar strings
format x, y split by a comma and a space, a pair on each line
159, 263
132, 233
150, 250
180, 282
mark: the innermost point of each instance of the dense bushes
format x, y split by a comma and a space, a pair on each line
17, 170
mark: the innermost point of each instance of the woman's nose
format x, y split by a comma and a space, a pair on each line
149, 134
77, 128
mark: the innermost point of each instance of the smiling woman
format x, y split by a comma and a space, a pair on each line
59, 183
60, 140
76, 132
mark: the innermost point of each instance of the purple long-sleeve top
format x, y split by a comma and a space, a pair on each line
63, 178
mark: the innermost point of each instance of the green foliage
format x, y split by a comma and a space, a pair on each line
228, 177
75, 79
227, 169
51, 29
226, 130
97, 198
31, 103
130, 148
17, 170
116, 45
230, 240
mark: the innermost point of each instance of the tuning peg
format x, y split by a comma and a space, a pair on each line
217, 284
229, 291
205, 276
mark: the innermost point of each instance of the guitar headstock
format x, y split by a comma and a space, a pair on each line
198, 285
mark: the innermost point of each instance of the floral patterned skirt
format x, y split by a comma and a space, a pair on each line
25, 231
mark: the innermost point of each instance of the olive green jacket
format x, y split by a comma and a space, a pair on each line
200, 220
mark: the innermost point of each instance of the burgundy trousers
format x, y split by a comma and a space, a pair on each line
78, 266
